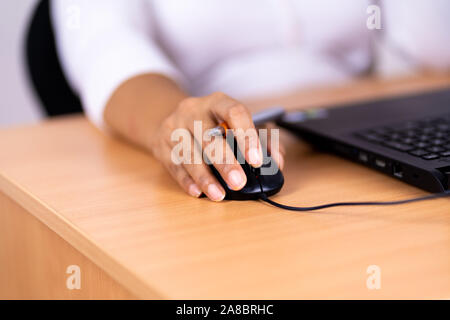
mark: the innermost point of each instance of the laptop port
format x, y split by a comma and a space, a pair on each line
397, 170
380, 163
364, 157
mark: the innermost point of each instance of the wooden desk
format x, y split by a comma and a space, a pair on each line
73, 196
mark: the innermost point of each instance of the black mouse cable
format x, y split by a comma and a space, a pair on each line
264, 198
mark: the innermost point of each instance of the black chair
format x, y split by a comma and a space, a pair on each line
44, 69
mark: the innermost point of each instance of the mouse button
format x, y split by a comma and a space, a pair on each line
272, 181
255, 171
269, 169
246, 167
267, 164
252, 187
267, 159
252, 178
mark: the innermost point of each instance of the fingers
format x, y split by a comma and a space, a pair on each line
225, 162
275, 149
278, 157
199, 172
184, 180
203, 177
195, 176
218, 152
179, 173
238, 118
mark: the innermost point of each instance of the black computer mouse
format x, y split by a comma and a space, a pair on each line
268, 177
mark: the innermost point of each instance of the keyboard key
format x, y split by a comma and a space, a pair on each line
372, 137
428, 138
436, 149
407, 140
428, 130
424, 137
419, 152
398, 146
393, 136
445, 153
431, 156
441, 135
438, 142
410, 133
422, 145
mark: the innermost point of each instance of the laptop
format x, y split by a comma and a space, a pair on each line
406, 137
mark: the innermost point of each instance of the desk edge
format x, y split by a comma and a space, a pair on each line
77, 239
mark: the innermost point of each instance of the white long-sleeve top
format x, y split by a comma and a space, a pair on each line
244, 48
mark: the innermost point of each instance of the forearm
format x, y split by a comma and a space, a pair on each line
138, 106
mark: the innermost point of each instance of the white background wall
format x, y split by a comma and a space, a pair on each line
17, 102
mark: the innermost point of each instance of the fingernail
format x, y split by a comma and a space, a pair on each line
214, 193
237, 180
255, 157
194, 190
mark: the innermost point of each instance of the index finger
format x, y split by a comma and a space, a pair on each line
239, 119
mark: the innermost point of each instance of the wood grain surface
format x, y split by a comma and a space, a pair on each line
119, 208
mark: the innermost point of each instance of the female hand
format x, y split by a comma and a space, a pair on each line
194, 177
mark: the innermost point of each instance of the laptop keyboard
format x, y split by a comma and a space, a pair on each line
428, 139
